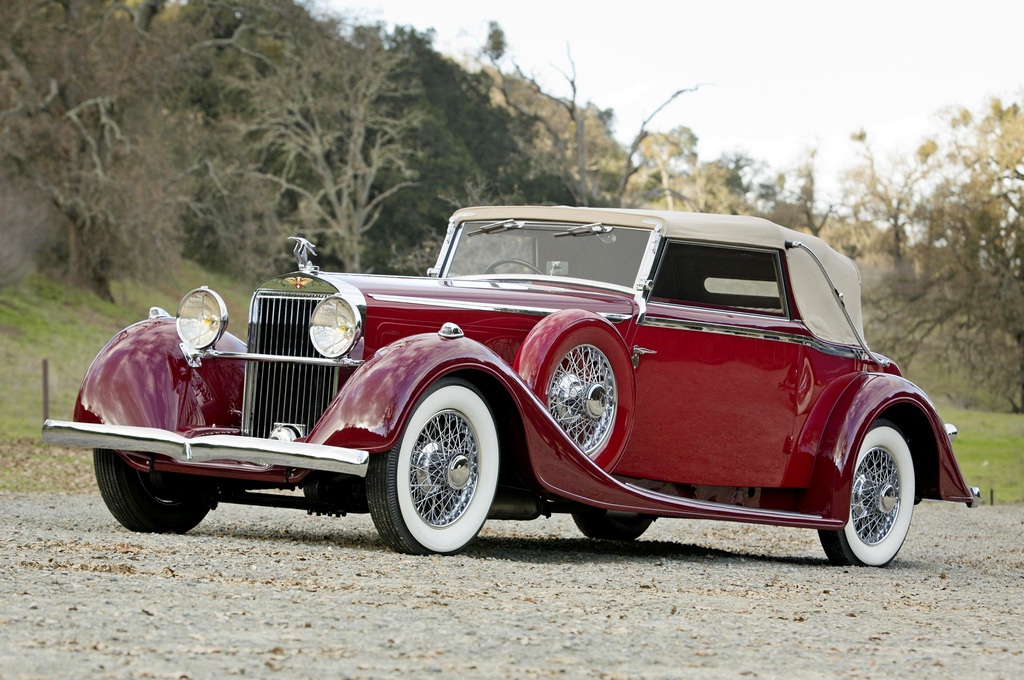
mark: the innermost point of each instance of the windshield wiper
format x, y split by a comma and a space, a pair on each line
585, 230
501, 225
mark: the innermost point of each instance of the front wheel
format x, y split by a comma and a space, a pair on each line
881, 502
431, 493
141, 505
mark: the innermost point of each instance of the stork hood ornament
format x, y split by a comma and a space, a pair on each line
303, 249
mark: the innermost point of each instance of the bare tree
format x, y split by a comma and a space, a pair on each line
793, 198
329, 129
578, 134
890, 198
635, 148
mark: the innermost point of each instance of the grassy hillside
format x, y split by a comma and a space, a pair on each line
990, 450
40, 319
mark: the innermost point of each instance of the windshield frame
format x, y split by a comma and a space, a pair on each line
460, 230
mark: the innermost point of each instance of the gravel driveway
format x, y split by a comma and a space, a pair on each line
276, 593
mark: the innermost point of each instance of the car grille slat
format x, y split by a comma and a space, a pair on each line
284, 393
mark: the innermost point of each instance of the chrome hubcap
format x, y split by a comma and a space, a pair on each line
595, 401
459, 472
875, 503
581, 397
443, 469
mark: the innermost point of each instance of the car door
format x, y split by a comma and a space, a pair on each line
718, 375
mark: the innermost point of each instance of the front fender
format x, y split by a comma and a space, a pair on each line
867, 398
372, 407
141, 378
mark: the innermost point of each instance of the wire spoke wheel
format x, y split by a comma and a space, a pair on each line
431, 493
881, 502
582, 397
876, 496
443, 469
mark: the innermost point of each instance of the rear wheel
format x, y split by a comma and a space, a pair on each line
610, 525
139, 504
881, 502
432, 492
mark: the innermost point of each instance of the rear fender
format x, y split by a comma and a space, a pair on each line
866, 399
141, 378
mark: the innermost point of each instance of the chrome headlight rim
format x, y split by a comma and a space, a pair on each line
329, 338
216, 317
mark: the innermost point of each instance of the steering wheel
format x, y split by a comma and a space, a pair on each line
510, 260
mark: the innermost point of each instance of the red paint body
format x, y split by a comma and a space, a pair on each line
728, 416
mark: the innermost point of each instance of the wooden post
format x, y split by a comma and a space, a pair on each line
46, 390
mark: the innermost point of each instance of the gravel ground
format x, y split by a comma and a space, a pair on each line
276, 593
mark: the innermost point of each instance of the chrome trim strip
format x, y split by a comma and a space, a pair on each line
479, 307
645, 273
542, 282
744, 332
193, 354
751, 512
343, 362
212, 447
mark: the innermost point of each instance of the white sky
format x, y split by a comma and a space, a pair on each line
784, 76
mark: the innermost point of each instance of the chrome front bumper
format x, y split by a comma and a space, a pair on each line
202, 449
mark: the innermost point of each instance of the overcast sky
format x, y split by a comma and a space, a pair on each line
782, 76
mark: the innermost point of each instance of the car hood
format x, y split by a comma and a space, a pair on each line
496, 312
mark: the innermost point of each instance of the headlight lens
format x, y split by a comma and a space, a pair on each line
202, 318
334, 327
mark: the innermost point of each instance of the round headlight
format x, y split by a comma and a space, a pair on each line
202, 318
334, 327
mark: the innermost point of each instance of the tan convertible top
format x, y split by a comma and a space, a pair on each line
817, 306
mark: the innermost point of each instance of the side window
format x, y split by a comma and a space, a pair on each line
720, 277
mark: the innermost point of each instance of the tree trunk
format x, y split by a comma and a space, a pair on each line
1019, 406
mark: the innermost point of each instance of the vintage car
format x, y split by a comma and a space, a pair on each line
618, 365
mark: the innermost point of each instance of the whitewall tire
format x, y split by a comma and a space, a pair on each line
881, 502
431, 493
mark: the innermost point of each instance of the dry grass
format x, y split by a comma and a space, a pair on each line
32, 466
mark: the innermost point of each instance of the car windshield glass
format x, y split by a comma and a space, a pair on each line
594, 252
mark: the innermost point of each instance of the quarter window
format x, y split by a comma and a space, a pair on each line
720, 277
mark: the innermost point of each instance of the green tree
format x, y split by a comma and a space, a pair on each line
466, 154
793, 199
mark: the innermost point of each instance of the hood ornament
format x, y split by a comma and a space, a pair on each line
303, 249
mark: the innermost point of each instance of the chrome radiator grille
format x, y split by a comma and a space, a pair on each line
276, 393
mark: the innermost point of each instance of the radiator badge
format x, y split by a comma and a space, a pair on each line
299, 281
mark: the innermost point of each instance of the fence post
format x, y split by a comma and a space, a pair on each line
46, 390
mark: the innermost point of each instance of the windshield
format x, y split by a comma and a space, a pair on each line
595, 252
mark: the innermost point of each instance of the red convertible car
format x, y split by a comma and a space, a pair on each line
618, 365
